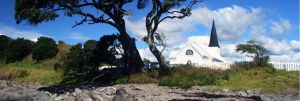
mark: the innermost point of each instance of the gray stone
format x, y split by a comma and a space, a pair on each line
82, 97
249, 92
110, 90
77, 90
99, 96
54, 96
225, 90
242, 93
122, 95
73, 94
59, 98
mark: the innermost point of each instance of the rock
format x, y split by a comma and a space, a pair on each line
77, 90
73, 94
242, 93
24, 98
82, 97
99, 96
225, 90
58, 98
122, 95
68, 93
110, 90
249, 92
54, 96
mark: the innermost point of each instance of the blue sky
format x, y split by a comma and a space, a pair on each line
273, 23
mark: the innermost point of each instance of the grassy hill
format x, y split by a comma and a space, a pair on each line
29, 70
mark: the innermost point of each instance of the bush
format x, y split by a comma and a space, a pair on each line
18, 49
13, 74
4, 40
44, 48
56, 66
179, 81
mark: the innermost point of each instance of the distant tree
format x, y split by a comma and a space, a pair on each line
109, 12
105, 51
160, 11
84, 61
255, 51
73, 62
18, 49
4, 41
44, 48
60, 42
88, 54
90, 45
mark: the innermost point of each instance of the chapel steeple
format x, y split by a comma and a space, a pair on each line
213, 37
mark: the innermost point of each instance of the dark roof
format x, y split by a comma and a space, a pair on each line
213, 42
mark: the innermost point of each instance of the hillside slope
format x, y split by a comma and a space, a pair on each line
29, 70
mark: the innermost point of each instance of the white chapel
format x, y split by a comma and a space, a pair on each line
195, 51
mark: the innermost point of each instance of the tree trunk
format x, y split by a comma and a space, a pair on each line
160, 58
133, 59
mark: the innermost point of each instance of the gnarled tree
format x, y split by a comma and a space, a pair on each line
162, 10
111, 13
255, 51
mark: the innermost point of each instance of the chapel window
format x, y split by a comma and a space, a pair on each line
189, 52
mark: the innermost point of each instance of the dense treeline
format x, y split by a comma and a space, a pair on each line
44, 48
82, 62
12, 50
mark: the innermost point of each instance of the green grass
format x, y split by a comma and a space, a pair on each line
266, 79
43, 76
29, 70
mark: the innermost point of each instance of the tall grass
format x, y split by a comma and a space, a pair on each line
267, 79
29, 70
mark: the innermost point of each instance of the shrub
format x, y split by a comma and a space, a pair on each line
186, 76
13, 74
22, 73
18, 49
56, 66
44, 48
179, 81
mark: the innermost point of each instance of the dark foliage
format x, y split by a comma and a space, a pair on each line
18, 49
44, 48
82, 63
60, 42
111, 12
4, 41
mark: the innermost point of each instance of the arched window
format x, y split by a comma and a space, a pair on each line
189, 62
189, 52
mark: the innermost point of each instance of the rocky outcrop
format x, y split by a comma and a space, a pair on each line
10, 91
122, 95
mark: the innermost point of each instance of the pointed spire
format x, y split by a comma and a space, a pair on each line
213, 37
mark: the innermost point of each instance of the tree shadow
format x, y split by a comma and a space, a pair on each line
206, 95
108, 76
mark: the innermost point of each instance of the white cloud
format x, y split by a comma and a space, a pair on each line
17, 33
295, 45
231, 23
78, 36
280, 27
145, 53
276, 47
280, 50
